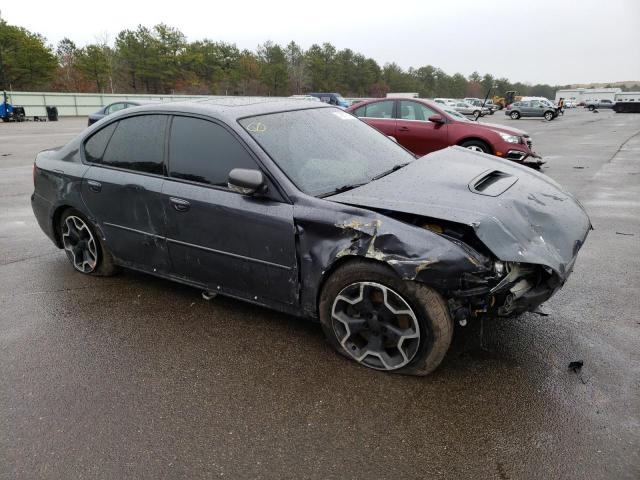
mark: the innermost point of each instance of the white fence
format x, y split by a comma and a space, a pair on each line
82, 104
79, 104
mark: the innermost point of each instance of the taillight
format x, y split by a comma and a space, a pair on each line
34, 173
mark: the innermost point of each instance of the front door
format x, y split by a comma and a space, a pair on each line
415, 132
122, 189
229, 242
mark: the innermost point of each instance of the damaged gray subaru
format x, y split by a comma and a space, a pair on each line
303, 208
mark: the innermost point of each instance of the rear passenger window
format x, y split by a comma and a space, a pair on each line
380, 110
94, 147
359, 112
205, 152
136, 144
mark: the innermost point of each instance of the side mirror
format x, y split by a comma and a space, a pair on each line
246, 181
436, 118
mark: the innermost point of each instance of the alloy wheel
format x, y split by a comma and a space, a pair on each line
475, 148
375, 325
79, 244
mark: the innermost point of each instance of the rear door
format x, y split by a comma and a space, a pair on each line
380, 115
415, 132
241, 245
122, 189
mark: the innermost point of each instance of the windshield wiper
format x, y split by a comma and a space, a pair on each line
384, 174
351, 186
341, 189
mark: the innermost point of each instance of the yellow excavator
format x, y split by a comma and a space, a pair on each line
509, 97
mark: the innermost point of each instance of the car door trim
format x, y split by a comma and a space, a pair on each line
141, 232
201, 247
229, 254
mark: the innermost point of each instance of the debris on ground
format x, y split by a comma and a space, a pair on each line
541, 311
576, 366
624, 233
578, 167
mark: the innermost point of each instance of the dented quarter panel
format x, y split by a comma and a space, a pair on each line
533, 221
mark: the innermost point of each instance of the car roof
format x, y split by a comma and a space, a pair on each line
232, 108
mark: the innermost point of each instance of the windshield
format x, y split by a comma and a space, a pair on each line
323, 150
456, 115
340, 99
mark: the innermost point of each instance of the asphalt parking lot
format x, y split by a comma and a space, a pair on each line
135, 377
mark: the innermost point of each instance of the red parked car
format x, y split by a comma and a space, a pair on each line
422, 127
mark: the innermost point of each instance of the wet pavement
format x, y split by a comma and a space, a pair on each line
136, 377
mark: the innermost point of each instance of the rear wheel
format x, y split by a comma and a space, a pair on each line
371, 316
83, 246
549, 115
476, 146
515, 115
591, 108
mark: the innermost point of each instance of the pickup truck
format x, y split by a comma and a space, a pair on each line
594, 104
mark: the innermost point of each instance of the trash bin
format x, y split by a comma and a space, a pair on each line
52, 113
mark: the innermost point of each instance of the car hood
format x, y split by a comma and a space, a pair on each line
519, 214
503, 129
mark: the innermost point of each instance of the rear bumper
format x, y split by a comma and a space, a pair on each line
43, 211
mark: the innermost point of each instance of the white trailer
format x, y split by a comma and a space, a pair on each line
403, 95
627, 97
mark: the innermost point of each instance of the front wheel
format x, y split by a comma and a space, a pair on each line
515, 115
549, 116
83, 246
476, 146
382, 322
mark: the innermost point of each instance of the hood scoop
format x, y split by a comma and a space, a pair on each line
492, 183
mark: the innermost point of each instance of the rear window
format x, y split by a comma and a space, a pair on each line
136, 144
94, 147
379, 109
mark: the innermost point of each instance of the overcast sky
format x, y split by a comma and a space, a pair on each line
538, 41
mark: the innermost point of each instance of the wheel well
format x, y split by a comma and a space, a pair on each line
55, 226
339, 263
476, 139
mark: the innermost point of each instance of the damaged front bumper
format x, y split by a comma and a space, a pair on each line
510, 290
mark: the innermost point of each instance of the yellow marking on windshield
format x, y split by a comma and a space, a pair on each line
256, 127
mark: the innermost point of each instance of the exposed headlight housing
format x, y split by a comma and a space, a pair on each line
498, 267
508, 138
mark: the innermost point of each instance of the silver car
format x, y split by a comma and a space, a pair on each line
468, 109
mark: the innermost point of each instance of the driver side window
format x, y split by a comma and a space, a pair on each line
205, 152
414, 111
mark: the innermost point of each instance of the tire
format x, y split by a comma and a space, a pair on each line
491, 112
84, 247
591, 108
549, 116
373, 287
515, 115
476, 145
477, 114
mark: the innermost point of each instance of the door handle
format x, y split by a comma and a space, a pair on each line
94, 186
179, 204
403, 129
